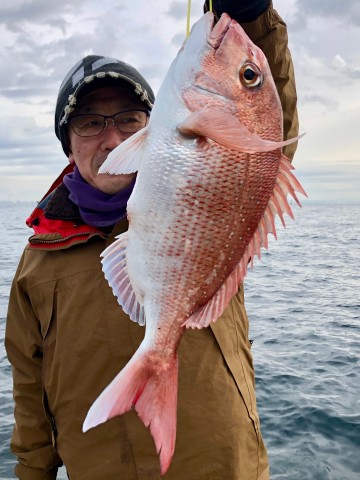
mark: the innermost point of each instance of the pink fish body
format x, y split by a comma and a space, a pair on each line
211, 179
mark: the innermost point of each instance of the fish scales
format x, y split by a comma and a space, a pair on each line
193, 263
211, 179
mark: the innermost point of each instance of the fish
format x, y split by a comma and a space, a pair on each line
211, 178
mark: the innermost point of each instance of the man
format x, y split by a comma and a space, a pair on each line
66, 335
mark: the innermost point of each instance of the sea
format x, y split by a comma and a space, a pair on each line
303, 301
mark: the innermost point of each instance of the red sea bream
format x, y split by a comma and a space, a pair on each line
211, 179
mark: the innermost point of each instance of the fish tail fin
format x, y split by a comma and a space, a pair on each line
152, 393
157, 409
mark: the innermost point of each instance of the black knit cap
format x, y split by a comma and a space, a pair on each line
95, 70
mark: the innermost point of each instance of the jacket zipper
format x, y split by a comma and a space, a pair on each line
64, 239
53, 425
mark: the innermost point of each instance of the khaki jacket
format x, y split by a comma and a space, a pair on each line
67, 338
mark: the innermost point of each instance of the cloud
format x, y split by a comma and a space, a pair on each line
331, 182
177, 10
312, 97
338, 61
42, 39
19, 132
15, 12
328, 33
344, 11
343, 66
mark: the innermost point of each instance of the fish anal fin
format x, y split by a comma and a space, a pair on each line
225, 129
215, 306
127, 157
115, 271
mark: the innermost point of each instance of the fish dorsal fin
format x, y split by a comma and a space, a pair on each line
127, 157
115, 271
285, 183
225, 129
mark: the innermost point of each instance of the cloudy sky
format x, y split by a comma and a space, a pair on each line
42, 39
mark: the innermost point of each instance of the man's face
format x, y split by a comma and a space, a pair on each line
89, 153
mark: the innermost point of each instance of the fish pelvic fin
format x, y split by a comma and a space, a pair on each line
127, 157
286, 183
116, 273
226, 130
153, 394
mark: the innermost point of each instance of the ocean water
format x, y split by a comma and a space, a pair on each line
303, 301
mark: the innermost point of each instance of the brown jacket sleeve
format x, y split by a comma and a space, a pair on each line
269, 33
32, 435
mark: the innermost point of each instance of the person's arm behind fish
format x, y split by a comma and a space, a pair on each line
33, 435
268, 31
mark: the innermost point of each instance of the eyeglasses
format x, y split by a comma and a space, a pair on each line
92, 124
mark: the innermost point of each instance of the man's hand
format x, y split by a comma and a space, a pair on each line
239, 10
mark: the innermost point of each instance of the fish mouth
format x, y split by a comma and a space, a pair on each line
208, 91
217, 31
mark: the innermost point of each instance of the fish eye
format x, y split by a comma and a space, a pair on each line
250, 75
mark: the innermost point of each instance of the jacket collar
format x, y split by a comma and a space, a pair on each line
59, 207
47, 197
56, 220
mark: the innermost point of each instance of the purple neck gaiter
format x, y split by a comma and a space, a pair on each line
97, 208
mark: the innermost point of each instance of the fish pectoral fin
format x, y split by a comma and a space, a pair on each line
225, 129
127, 157
115, 271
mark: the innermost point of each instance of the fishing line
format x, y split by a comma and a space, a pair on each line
188, 19
188, 16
